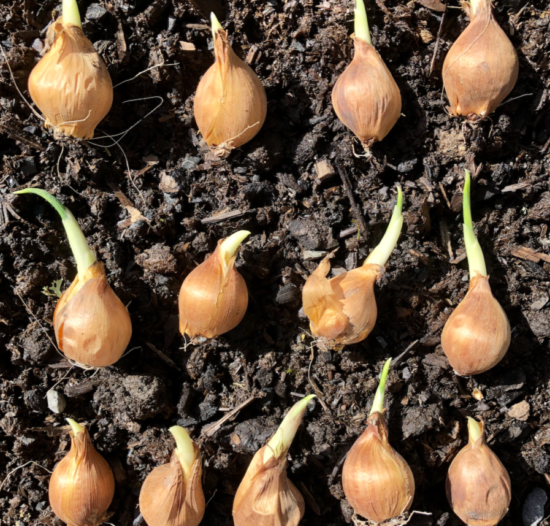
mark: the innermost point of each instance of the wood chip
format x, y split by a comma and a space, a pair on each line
324, 170
526, 253
520, 411
221, 217
135, 214
187, 46
434, 5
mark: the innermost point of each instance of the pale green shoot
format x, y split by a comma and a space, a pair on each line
82, 253
185, 449
378, 403
231, 244
76, 427
361, 22
70, 13
476, 261
216, 26
382, 252
475, 430
281, 441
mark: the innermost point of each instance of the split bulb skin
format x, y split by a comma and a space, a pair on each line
230, 103
71, 84
477, 335
478, 486
213, 298
482, 66
366, 97
377, 481
82, 485
92, 326
266, 497
172, 494
343, 309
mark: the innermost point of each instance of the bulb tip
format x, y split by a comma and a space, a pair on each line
475, 429
75, 426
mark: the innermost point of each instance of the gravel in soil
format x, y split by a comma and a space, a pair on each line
186, 200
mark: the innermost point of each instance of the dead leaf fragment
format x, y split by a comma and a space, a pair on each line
435, 5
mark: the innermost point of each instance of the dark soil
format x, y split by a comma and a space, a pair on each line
298, 48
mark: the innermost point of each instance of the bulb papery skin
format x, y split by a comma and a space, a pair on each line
342, 309
230, 104
481, 67
377, 481
168, 499
366, 97
266, 497
477, 334
71, 82
213, 298
82, 485
92, 326
478, 485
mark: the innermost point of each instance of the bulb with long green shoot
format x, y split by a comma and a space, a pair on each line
265, 496
377, 481
172, 494
477, 334
92, 326
71, 84
343, 309
366, 97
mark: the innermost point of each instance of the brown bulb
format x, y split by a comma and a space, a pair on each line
377, 481
481, 67
213, 298
172, 493
477, 334
265, 496
366, 97
92, 326
71, 84
478, 486
342, 309
82, 485
230, 104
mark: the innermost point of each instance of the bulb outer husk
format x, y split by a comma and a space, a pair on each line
71, 84
92, 326
230, 104
82, 485
377, 481
478, 485
213, 298
477, 334
169, 497
481, 67
366, 97
266, 497
342, 309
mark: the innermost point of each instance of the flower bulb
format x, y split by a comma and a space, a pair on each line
82, 485
377, 481
343, 309
230, 103
481, 67
366, 97
71, 84
213, 298
172, 493
478, 486
92, 326
477, 334
265, 496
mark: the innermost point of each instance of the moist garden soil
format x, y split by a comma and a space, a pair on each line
153, 224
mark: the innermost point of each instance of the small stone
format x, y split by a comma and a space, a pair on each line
533, 509
520, 411
56, 401
95, 12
